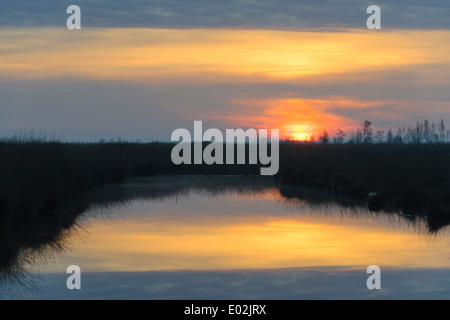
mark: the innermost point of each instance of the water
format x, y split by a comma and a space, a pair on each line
232, 238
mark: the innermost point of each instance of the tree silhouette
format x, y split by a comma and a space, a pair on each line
379, 136
324, 138
339, 137
367, 131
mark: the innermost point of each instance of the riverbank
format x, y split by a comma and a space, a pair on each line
386, 173
38, 177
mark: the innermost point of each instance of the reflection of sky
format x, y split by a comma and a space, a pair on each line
231, 246
317, 283
229, 232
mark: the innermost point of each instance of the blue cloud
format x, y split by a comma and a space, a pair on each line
233, 13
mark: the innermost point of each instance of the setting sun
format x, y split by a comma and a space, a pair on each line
299, 132
301, 136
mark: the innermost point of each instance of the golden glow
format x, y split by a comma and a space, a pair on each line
285, 113
301, 136
314, 114
299, 133
211, 54
200, 239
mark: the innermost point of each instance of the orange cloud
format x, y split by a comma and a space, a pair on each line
297, 118
211, 54
292, 116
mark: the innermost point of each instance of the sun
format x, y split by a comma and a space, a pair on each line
299, 132
301, 136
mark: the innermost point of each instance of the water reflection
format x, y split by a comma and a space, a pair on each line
216, 223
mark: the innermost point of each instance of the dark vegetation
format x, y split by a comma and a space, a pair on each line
413, 177
410, 174
422, 132
37, 177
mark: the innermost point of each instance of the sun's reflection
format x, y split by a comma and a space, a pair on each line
246, 232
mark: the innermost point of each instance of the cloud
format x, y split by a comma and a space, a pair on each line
233, 13
212, 55
145, 83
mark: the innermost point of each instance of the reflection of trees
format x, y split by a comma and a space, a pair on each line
434, 216
35, 240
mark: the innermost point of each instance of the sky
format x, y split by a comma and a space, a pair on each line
138, 70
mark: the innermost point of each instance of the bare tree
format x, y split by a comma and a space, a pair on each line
366, 128
359, 136
409, 135
390, 137
324, 138
339, 136
418, 136
423, 132
441, 129
379, 136
427, 131
434, 134
399, 136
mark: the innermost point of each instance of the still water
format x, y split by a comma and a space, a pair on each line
233, 238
